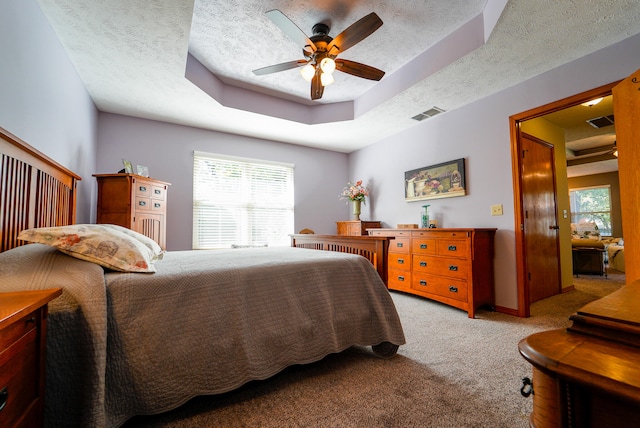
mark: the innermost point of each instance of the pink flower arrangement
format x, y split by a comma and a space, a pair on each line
355, 192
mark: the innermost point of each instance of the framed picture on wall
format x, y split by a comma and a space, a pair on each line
444, 180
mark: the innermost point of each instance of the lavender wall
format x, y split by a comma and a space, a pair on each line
479, 132
42, 100
168, 152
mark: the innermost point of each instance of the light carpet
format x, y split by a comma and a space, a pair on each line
453, 372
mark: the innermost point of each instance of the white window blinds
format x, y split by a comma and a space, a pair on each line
239, 201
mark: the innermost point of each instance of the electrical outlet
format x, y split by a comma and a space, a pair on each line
496, 209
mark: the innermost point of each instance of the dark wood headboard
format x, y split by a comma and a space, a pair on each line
35, 191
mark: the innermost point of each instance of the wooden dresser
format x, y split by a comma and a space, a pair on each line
23, 325
588, 375
452, 266
133, 201
355, 227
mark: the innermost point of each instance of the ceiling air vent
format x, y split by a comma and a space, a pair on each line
428, 113
601, 122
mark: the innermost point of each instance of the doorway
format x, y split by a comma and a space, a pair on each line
527, 235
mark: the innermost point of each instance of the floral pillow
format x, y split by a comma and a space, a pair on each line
158, 252
106, 246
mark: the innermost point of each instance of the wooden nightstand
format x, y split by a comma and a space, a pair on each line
23, 324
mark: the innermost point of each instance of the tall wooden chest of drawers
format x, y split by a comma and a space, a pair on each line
452, 266
23, 325
133, 201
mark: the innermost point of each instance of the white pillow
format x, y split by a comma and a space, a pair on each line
96, 243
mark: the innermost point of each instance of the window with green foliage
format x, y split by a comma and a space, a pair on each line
592, 204
239, 201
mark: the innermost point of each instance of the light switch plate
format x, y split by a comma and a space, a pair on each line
496, 209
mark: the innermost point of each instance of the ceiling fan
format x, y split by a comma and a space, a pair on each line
320, 51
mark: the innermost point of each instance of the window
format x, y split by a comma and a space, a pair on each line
239, 201
592, 204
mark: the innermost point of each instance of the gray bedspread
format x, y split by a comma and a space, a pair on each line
206, 322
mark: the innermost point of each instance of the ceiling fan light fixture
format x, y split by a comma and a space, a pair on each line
592, 103
308, 72
327, 65
326, 79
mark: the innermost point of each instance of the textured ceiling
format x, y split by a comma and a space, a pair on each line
132, 56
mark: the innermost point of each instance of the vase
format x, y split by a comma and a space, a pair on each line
356, 210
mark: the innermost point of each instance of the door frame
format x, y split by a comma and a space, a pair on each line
516, 167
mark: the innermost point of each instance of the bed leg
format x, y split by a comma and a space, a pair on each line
385, 349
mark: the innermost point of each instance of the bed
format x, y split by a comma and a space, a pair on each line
205, 322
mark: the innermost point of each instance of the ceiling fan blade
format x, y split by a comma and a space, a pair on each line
279, 67
356, 32
291, 30
359, 70
316, 87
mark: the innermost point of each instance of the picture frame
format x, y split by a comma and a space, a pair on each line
142, 170
443, 180
128, 167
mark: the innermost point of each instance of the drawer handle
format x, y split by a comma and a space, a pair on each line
453, 289
527, 387
423, 246
453, 268
142, 203
157, 191
423, 264
400, 261
156, 205
4, 395
452, 248
142, 188
399, 245
423, 282
400, 278
31, 320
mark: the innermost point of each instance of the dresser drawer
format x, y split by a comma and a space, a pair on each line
453, 247
143, 203
18, 329
158, 192
400, 261
445, 287
446, 266
19, 374
398, 279
424, 246
157, 205
440, 234
142, 188
399, 245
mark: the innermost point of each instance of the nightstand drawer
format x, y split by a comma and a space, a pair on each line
19, 374
18, 329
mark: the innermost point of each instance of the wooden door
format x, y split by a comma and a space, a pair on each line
541, 238
626, 107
